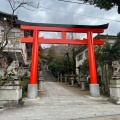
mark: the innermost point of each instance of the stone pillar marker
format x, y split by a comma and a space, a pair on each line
77, 79
83, 81
65, 78
72, 78
83, 85
115, 83
40, 83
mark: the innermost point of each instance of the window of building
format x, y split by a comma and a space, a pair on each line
80, 57
86, 53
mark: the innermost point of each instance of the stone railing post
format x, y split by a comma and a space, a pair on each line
72, 78
40, 83
65, 78
83, 83
77, 80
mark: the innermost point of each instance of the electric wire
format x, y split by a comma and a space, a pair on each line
78, 14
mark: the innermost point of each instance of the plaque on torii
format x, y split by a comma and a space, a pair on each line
63, 28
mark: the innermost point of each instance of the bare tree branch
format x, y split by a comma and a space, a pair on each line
8, 26
10, 4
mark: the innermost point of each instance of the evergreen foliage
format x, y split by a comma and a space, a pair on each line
105, 4
84, 68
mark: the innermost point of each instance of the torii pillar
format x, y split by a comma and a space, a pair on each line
36, 40
32, 86
94, 86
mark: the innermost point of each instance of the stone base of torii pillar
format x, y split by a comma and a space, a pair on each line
32, 91
94, 90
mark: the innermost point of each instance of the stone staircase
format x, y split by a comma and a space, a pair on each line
47, 76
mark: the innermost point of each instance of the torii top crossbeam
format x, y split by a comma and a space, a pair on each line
63, 28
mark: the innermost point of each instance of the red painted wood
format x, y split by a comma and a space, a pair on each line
27, 40
34, 62
62, 41
63, 36
69, 41
58, 29
91, 56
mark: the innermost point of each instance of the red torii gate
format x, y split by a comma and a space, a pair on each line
63, 28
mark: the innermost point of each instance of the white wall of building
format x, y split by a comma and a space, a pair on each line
80, 57
14, 43
109, 39
84, 56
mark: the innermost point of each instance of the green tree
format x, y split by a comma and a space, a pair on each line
60, 62
51, 53
105, 4
56, 66
114, 52
84, 68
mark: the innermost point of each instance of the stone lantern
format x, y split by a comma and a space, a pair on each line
72, 78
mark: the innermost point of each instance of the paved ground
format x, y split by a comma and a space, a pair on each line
63, 102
